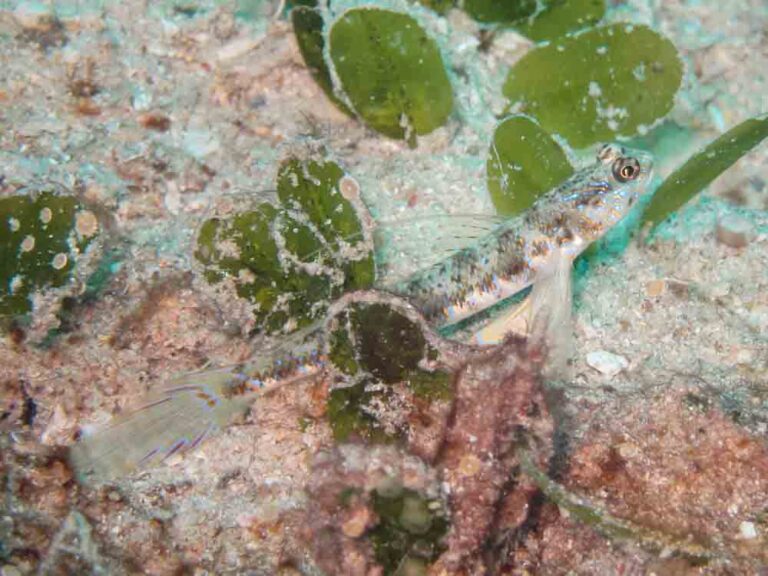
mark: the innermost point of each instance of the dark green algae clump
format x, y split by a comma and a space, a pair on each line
289, 261
377, 348
408, 535
43, 236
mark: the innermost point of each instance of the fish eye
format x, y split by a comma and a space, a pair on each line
626, 169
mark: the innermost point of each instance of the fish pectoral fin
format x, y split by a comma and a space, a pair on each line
544, 316
551, 314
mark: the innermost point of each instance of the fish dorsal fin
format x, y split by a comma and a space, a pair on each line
408, 245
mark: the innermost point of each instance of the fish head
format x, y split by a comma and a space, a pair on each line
601, 195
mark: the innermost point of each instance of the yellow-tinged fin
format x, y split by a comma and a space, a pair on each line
170, 421
544, 315
516, 320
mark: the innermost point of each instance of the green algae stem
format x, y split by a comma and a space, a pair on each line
409, 532
290, 261
611, 527
703, 167
41, 238
594, 86
523, 163
392, 72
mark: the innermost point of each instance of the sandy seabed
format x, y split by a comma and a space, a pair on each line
153, 118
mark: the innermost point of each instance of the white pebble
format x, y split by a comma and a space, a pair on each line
606, 362
748, 530
16, 283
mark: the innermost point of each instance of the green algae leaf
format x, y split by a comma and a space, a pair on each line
392, 72
299, 3
559, 17
383, 342
499, 11
41, 239
523, 163
244, 250
312, 189
290, 261
595, 86
703, 167
308, 28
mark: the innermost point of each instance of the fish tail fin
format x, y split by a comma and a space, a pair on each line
173, 420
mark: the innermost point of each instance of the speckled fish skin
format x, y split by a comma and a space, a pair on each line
504, 262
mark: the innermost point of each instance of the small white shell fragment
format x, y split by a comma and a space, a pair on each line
747, 530
606, 362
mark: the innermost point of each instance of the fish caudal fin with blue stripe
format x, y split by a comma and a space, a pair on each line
171, 421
